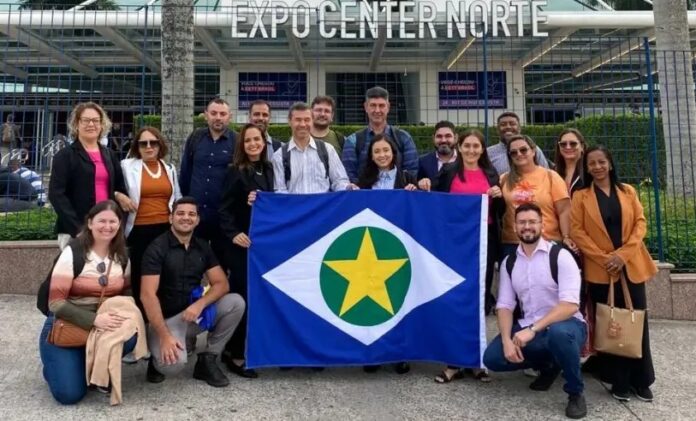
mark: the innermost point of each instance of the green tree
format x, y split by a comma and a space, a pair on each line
67, 4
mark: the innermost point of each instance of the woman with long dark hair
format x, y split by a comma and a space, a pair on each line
249, 172
381, 171
608, 225
568, 157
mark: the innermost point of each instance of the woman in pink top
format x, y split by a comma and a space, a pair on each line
84, 173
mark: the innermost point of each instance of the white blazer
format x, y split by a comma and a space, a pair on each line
133, 173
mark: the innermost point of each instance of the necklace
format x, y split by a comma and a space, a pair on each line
156, 175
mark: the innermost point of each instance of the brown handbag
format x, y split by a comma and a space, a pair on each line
619, 331
69, 335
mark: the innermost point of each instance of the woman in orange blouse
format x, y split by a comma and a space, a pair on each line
608, 225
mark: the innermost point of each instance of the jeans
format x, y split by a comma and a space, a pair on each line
558, 346
64, 368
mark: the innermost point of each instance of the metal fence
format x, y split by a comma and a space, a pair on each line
606, 83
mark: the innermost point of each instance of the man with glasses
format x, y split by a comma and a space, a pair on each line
549, 335
509, 126
323, 109
173, 267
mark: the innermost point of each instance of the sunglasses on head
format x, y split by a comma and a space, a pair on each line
570, 144
103, 280
148, 143
521, 151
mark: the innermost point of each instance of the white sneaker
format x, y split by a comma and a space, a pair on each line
530, 372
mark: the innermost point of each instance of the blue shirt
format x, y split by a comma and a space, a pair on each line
386, 180
354, 163
207, 173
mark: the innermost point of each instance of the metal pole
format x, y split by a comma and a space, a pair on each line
485, 85
141, 119
653, 152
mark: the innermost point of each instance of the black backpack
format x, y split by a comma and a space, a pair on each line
78, 265
321, 150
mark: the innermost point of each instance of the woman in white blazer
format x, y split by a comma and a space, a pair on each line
153, 187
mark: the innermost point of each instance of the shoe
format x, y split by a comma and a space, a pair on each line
129, 359
207, 369
643, 393
530, 372
402, 368
481, 374
444, 378
154, 376
371, 368
285, 368
545, 379
241, 370
577, 407
621, 395
317, 369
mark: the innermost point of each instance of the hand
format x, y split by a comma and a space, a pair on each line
522, 337
193, 312
410, 187
615, 264
242, 240
252, 197
125, 202
109, 321
512, 352
352, 186
495, 192
424, 184
169, 349
571, 245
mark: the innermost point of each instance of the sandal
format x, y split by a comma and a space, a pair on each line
443, 378
481, 375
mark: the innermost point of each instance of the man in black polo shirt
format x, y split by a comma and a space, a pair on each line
173, 266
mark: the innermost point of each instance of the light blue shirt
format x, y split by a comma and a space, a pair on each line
386, 180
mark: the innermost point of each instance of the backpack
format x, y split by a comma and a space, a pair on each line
78, 265
321, 150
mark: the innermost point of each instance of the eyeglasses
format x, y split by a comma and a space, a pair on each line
103, 280
572, 144
148, 143
521, 151
88, 121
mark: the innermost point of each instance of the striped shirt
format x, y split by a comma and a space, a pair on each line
307, 172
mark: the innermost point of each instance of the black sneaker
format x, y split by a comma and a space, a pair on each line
576, 408
643, 393
545, 379
207, 369
620, 395
154, 376
402, 368
371, 368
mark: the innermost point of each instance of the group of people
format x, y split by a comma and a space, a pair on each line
183, 226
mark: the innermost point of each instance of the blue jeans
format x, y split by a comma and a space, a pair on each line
64, 368
556, 347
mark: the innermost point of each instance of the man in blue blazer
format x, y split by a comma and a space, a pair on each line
444, 141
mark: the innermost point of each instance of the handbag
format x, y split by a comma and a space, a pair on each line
69, 335
619, 331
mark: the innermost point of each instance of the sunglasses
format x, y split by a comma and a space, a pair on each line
148, 143
103, 280
521, 151
572, 144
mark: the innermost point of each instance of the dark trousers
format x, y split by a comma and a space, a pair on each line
624, 373
492, 257
218, 241
139, 238
237, 262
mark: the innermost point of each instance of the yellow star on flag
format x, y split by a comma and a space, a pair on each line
367, 276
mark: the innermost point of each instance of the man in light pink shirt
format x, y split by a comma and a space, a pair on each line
549, 335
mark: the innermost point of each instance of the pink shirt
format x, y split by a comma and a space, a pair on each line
101, 177
476, 183
533, 287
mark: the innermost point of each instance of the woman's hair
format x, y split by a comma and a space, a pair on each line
613, 177
134, 151
484, 161
74, 119
240, 158
117, 247
370, 173
558, 158
514, 176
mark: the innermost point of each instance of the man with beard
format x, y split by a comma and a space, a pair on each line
260, 115
173, 267
444, 140
323, 108
207, 153
508, 126
551, 331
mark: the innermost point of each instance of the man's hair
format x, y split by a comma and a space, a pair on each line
529, 206
185, 200
219, 101
259, 102
376, 92
324, 99
298, 106
508, 114
444, 123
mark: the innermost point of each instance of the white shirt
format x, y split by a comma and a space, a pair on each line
307, 172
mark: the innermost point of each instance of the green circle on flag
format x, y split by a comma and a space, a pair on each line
365, 275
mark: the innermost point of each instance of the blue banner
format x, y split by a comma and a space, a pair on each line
366, 277
465, 90
281, 90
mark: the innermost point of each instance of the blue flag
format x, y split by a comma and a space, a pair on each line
366, 277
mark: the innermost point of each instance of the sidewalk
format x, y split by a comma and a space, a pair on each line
336, 393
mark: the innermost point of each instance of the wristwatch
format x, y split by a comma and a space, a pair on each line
532, 328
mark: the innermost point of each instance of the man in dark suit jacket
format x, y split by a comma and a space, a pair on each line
444, 140
260, 114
